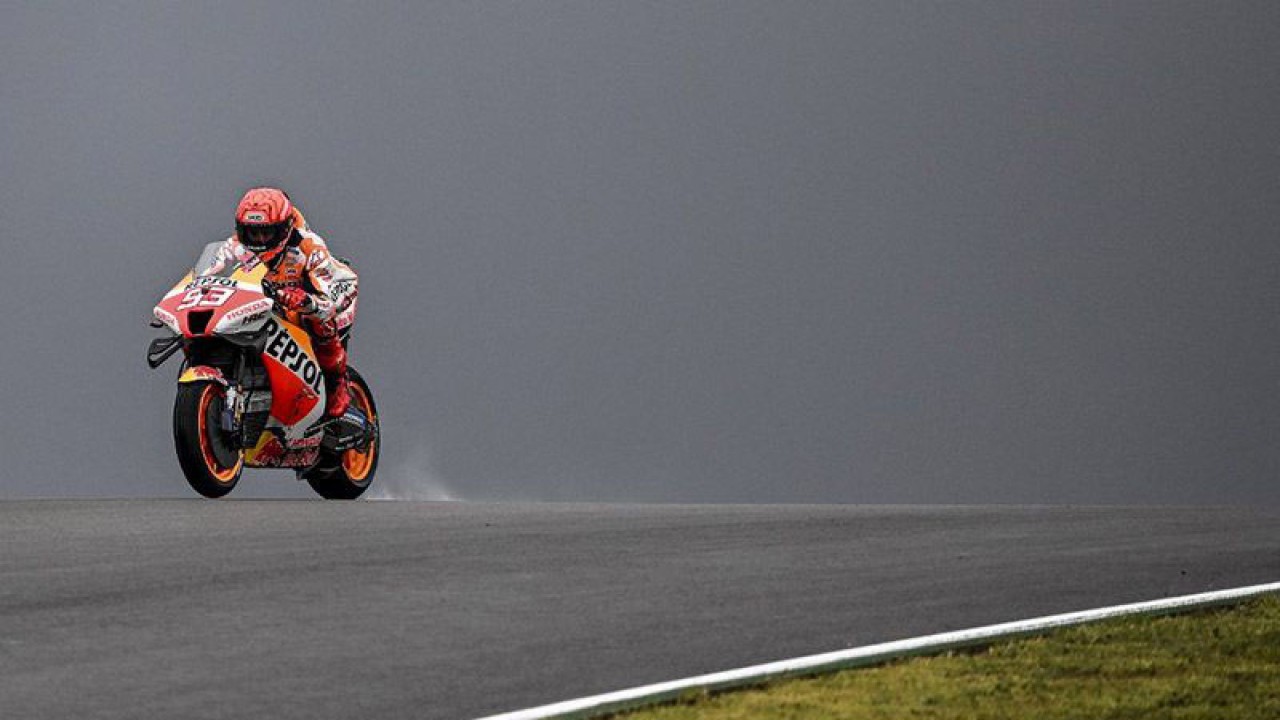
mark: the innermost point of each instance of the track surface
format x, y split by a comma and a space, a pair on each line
126, 609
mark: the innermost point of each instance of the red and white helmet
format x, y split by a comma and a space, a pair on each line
264, 220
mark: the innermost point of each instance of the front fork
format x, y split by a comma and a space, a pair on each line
241, 404
233, 402
237, 401
233, 409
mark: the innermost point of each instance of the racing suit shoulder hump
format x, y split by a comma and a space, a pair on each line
334, 282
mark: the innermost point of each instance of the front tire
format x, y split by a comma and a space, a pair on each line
347, 475
210, 459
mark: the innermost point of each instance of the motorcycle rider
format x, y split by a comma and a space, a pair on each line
306, 279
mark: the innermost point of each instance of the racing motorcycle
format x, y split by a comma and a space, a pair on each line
250, 390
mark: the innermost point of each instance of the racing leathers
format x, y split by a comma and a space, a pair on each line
329, 309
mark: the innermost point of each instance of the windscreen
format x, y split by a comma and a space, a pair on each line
216, 260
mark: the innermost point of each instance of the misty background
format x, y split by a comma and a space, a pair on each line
675, 251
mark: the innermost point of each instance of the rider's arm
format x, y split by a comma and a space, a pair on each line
322, 272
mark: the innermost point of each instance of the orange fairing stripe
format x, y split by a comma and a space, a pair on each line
250, 277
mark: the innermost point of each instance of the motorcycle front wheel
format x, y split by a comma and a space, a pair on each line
209, 457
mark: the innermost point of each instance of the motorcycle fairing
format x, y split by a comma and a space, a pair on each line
270, 452
297, 384
202, 305
223, 297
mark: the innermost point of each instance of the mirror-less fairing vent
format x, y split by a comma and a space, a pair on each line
198, 321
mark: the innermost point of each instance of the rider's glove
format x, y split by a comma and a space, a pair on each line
295, 299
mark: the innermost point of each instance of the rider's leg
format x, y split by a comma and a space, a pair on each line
332, 358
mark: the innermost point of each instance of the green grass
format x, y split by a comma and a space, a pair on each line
1210, 664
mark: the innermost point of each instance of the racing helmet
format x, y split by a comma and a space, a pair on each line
264, 221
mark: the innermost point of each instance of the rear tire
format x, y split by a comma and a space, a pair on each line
346, 476
210, 459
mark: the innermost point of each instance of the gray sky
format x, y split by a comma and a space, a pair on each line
687, 251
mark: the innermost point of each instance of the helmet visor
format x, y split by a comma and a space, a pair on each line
262, 237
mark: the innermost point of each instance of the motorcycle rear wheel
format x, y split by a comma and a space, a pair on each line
348, 475
210, 459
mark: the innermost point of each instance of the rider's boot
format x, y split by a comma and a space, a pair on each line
332, 359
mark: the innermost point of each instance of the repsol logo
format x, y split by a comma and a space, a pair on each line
211, 281
282, 347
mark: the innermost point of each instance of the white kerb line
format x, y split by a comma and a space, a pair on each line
870, 655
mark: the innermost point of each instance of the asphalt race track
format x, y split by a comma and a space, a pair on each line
283, 609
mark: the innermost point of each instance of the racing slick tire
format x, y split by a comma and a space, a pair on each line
347, 475
210, 458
